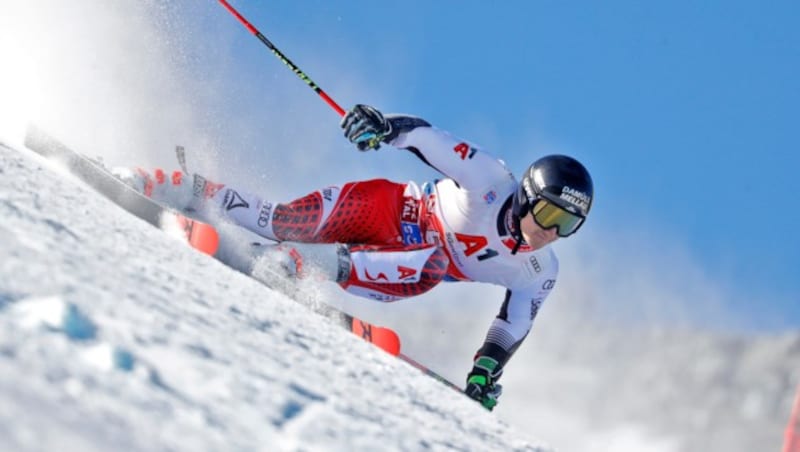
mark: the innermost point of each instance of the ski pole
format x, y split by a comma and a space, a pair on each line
283, 58
430, 373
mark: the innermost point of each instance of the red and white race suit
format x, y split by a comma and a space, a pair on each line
403, 240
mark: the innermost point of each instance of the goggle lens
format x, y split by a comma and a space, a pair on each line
549, 215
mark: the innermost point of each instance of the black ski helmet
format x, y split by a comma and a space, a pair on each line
560, 179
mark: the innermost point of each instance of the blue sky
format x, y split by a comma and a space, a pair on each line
682, 111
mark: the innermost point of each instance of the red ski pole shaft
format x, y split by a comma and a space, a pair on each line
283, 58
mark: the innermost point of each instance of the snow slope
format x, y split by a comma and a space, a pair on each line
113, 336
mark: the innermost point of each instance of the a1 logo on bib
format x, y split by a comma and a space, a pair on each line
474, 244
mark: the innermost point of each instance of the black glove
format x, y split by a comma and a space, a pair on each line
481, 384
366, 127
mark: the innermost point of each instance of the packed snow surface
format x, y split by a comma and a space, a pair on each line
114, 336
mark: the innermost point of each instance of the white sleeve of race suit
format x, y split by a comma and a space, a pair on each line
519, 310
471, 168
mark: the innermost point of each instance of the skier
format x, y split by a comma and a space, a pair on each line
387, 241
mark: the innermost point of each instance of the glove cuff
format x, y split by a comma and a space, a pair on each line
478, 379
488, 364
399, 124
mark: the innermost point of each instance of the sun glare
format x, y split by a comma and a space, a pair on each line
20, 79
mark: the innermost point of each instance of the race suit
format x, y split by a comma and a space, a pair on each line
403, 240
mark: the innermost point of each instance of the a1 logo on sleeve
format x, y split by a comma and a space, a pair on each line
465, 151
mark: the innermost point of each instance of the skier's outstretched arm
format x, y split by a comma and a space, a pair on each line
506, 333
467, 165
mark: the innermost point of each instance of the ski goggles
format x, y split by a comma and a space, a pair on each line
549, 215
